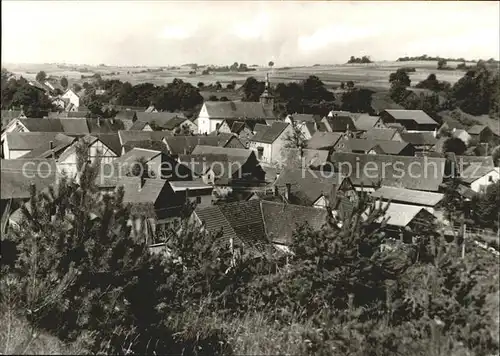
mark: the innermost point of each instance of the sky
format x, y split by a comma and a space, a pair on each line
157, 33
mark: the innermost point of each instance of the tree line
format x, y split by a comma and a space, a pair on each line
476, 93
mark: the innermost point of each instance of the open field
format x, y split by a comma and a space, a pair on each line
373, 75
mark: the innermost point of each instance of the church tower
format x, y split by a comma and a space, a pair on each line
267, 99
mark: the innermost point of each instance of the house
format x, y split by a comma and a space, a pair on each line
313, 188
365, 122
180, 125
478, 177
403, 220
177, 145
73, 126
244, 129
60, 103
428, 200
368, 171
347, 144
302, 118
9, 115
16, 178
422, 141
481, 133
465, 161
213, 113
412, 120
159, 164
268, 143
224, 166
144, 139
165, 120
195, 191
140, 126
74, 98
53, 148
314, 159
339, 123
386, 134
253, 223
19, 144
324, 140
103, 147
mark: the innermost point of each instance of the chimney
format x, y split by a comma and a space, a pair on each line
435, 133
288, 191
51, 146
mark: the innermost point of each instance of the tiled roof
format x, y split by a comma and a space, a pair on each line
174, 123
419, 116
308, 186
29, 140
245, 218
146, 144
401, 214
270, 134
476, 129
380, 134
215, 221
136, 153
282, 220
126, 115
135, 194
129, 135
341, 123
465, 161
305, 118
237, 125
314, 158
474, 171
16, 185
112, 140
234, 154
186, 144
365, 122
419, 138
323, 140
408, 196
236, 110
72, 126
420, 173
392, 147
138, 125
60, 143
159, 118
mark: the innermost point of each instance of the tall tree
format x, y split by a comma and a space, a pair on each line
64, 82
41, 76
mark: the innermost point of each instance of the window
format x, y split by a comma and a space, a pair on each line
490, 179
198, 200
260, 152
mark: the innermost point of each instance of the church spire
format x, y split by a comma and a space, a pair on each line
267, 99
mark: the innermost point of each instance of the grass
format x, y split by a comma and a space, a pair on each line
17, 337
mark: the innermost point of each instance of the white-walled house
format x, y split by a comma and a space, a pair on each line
106, 147
73, 97
479, 177
213, 113
269, 141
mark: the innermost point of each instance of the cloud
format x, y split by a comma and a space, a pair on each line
176, 32
252, 29
334, 34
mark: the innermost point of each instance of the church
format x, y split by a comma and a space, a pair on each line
213, 113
